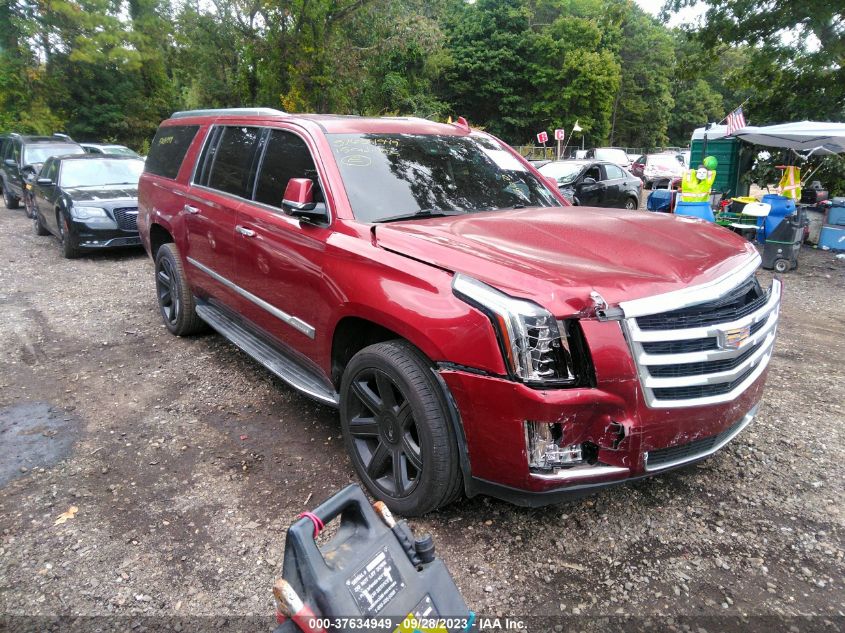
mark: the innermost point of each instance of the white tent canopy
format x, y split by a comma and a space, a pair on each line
803, 136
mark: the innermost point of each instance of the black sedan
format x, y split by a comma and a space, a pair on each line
595, 183
88, 201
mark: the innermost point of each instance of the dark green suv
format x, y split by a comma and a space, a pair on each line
21, 156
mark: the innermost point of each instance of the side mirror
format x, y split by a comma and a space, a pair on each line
588, 181
299, 202
46, 182
10, 162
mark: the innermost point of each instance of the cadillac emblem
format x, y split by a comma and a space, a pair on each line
732, 339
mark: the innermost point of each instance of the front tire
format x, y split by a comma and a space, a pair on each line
39, 228
9, 200
70, 249
175, 300
782, 265
395, 424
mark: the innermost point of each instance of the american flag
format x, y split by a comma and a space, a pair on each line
736, 120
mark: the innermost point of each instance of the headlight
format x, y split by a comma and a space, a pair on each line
87, 213
537, 348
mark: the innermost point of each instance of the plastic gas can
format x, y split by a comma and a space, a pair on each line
372, 573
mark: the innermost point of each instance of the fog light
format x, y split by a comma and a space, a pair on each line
546, 448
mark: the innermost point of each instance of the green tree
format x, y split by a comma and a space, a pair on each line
644, 100
795, 54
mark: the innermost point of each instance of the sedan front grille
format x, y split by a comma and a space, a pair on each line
706, 351
127, 218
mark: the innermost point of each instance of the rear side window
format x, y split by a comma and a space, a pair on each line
613, 172
232, 167
286, 157
168, 149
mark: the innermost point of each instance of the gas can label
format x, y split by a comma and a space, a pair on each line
375, 584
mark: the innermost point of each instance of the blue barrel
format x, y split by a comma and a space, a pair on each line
781, 207
695, 210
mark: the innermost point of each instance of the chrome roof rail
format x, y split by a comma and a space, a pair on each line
256, 112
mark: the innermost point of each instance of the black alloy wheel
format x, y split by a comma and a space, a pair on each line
396, 426
168, 300
175, 301
385, 434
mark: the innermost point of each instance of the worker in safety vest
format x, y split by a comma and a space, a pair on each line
790, 182
695, 185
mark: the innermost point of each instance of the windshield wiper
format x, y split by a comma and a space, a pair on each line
418, 215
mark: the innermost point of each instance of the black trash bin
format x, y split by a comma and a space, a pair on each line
783, 244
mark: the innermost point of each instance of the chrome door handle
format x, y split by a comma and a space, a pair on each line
191, 210
245, 231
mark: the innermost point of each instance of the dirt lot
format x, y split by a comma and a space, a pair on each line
187, 461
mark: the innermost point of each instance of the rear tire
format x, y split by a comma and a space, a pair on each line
395, 423
782, 265
632, 204
175, 301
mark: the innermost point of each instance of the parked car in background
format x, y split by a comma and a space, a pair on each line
594, 183
611, 155
22, 157
477, 334
657, 170
539, 162
116, 150
88, 202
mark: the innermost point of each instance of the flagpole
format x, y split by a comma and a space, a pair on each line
734, 110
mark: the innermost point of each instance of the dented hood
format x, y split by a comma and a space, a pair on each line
558, 256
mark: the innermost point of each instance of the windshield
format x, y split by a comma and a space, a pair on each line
387, 176
564, 173
99, 172
617, 156
33, 154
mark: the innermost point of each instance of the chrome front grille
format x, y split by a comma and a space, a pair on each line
126, 218
724, 344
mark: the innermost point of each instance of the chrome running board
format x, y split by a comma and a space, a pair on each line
282, 365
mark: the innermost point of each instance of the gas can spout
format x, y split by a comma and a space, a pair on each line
384, 512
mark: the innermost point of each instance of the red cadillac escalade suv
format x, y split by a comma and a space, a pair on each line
477, 334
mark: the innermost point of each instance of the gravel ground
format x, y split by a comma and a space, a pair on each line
187, 461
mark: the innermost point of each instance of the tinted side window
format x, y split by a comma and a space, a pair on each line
286, 157
613, 172
232, 168
168, 149
50, 170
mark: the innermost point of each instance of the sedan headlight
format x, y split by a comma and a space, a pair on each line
537, 348
88, 213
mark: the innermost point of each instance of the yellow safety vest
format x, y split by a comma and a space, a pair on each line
695, 190
790, 183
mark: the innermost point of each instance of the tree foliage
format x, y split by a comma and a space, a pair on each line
112, 69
